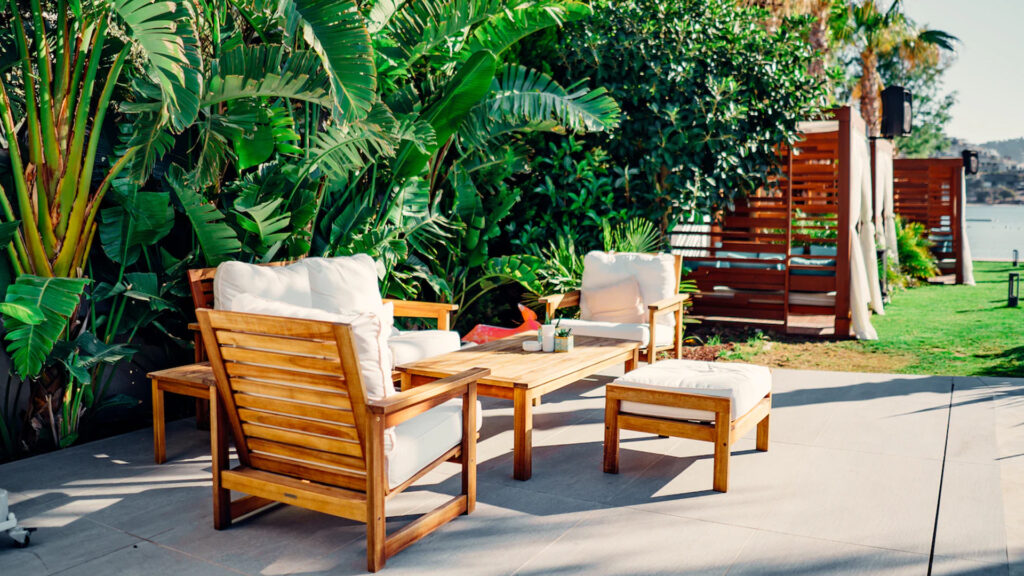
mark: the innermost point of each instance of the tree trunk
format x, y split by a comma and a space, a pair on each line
818, 36
870, 91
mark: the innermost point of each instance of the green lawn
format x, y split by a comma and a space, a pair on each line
955, 330
932, 329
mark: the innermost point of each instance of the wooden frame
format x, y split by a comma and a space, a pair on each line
929, 191
306, 434
723, 432
813, 189
671, 305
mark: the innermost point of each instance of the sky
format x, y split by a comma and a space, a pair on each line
988, 74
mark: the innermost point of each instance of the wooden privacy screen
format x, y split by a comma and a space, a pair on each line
784, 251
928, 190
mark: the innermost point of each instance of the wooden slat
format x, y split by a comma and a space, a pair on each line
263, 358
272, 343
302, 440
273, 374
352, 480
332, 398
326, 499
307, 455
316, 412
333, 429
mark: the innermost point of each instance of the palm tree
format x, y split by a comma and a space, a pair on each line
876, 32
818, 35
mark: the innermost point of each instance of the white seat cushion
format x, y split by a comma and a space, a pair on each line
417, 442
745, 384
370, 331
664, 335
287, 284
415, 345
655, 274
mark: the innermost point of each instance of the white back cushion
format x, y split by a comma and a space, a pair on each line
370, 332
285, 284
655, 274
346, 284
618, 302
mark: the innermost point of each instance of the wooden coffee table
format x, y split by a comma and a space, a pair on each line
523, 376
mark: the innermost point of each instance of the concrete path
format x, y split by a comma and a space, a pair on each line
867, 474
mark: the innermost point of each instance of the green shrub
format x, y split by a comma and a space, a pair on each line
914, 249
706, 94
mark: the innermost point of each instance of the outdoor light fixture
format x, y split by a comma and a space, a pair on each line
1013, 294
897, 112
971, 162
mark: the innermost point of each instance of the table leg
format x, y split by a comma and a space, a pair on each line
633, 361
159, 432
523, 428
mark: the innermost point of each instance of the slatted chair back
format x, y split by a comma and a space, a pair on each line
293, 395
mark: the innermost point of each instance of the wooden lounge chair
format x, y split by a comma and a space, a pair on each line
292, 392
658, 324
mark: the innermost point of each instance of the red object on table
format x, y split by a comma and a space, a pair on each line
482, 333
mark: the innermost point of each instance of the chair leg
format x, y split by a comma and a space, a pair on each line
376, 518
762, 433
469, 448
721, 481
611, 436
219, 462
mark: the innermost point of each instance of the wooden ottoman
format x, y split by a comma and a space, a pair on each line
714, 402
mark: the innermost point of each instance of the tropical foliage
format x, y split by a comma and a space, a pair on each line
707, 94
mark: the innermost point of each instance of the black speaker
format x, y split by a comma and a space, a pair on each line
971, 162
897, 112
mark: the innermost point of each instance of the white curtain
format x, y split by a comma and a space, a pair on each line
863, 263
885, 216
966, 265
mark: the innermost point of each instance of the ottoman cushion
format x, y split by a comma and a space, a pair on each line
744, 383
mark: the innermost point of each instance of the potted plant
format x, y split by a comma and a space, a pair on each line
563, 339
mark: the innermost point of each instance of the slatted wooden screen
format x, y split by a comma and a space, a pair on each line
927, 190
809, 202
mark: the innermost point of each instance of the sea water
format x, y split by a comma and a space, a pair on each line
994, 230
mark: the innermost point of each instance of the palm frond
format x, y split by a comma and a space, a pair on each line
512, 25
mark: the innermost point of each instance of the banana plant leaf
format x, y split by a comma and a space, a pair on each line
31, 335
217, 239
139, 219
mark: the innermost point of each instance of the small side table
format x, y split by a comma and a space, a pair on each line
195, 380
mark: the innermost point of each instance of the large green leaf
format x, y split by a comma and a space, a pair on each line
166, 37
217, 240
30, 338
253, 71
464, 91
336, 31
519, 92
512, 25
138, 219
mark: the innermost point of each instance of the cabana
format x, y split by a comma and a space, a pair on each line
799, 250
932, 191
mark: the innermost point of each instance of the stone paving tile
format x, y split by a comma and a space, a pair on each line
849, 486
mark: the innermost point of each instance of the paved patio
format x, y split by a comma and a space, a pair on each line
851, 485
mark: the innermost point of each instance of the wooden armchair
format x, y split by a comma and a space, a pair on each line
307, 435
648, 333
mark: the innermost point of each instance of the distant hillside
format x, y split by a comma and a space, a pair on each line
1012, 149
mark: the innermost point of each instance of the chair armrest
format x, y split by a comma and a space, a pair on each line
555, 301
408, 403
193, 326
670, 303
441, 311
